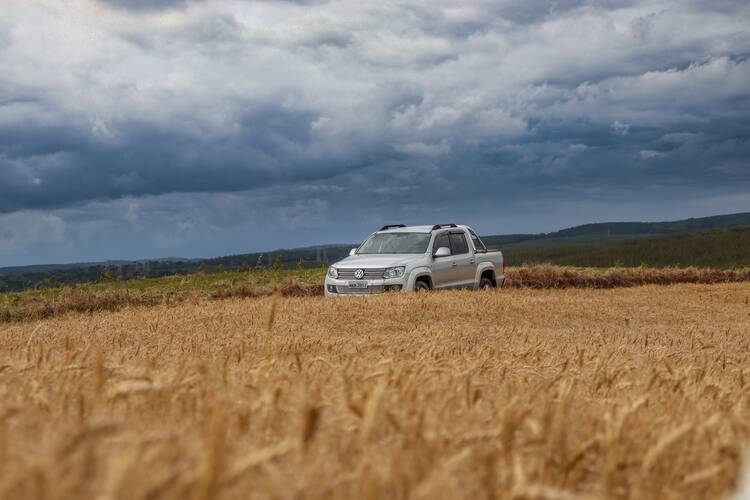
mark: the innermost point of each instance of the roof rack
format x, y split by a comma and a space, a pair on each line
441, 226
389, 226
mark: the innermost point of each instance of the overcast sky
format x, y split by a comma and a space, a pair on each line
147, 128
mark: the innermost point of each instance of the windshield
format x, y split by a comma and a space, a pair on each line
395, 243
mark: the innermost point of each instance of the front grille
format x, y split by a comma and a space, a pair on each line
359, 291
373, 273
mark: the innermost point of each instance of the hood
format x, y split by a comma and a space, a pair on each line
385, 260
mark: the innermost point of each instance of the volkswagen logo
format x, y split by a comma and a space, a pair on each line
359, 274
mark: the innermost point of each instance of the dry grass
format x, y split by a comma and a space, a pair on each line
547, 394
80, 299
35, 306
549, 276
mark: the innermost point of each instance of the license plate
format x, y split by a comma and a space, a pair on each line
357, 284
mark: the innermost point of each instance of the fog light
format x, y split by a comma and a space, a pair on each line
332, 288
393, 288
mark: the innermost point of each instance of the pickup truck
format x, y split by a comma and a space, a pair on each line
416, 258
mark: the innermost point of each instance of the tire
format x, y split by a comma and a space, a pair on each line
486, 284
421, 286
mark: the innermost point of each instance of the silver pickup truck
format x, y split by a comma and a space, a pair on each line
419, 258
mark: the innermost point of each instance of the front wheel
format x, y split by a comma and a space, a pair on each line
486, 284
421, 286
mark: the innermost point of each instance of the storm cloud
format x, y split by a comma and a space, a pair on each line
202, 128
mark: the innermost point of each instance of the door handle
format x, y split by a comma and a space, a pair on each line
454, 264
471, 261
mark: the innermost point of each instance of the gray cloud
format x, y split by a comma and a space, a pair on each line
147, 5
5, 36
340, 113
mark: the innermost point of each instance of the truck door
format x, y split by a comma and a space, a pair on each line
442, 267
464, 264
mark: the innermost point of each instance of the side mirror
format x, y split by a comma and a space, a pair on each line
352, 251
442, 252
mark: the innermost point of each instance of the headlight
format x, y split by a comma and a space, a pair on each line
394, 272
333, 272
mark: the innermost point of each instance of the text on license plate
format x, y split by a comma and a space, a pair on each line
357, 284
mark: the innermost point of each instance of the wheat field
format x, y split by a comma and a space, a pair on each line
516, 393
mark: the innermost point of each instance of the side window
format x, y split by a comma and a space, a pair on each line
458, 244
441, 240
478, 244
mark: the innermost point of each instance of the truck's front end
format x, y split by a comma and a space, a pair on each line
383, 263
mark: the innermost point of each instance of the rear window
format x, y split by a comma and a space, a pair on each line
477, 242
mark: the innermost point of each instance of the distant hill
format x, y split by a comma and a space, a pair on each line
640, 228
604, 231
46, 268
718, 241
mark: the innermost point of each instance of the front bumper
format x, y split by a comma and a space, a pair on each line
337, 287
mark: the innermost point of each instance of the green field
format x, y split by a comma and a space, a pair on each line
720, 248
202, 283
